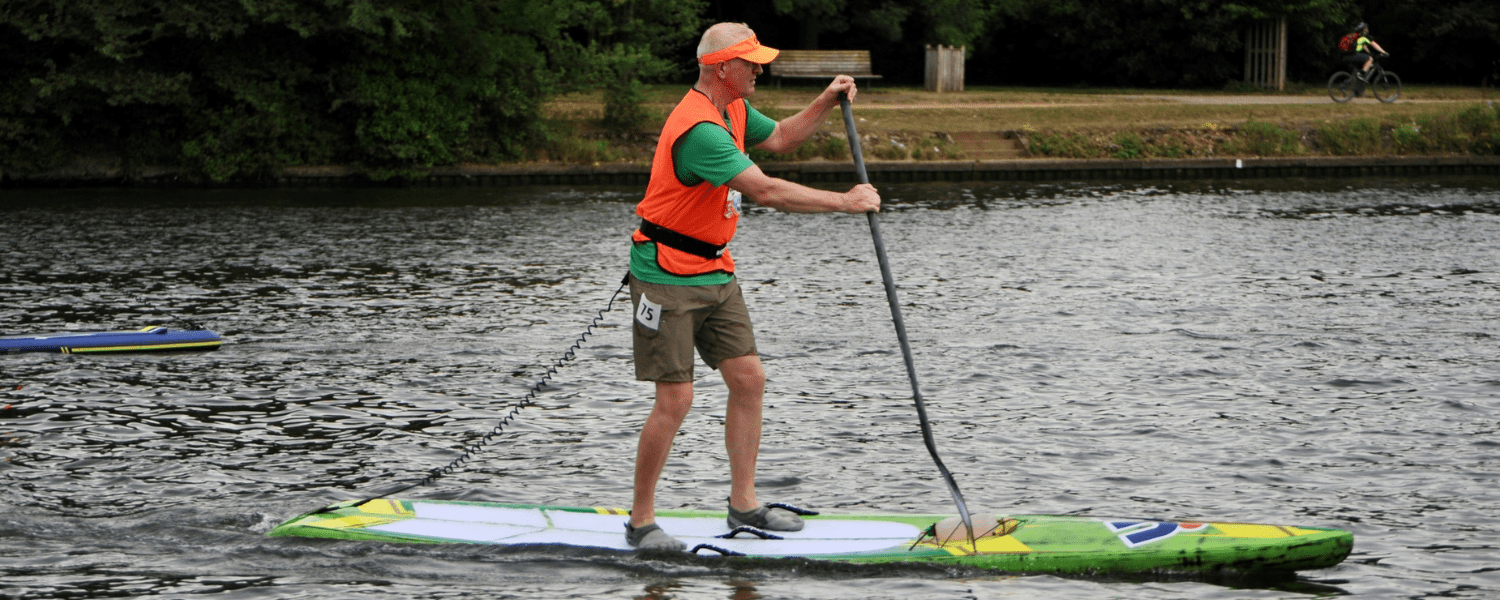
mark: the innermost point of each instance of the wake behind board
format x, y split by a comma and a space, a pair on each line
1016, 543
149, 339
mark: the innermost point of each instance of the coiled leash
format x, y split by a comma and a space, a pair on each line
529, 399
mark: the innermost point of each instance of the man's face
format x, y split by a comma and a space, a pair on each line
741, 75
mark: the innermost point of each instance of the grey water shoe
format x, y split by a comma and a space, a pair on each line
769, 519
651, 537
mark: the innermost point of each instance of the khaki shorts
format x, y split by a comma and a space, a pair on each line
711, 318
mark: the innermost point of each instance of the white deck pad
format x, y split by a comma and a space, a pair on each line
510, 526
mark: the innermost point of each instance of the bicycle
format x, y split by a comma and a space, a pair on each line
1347, 85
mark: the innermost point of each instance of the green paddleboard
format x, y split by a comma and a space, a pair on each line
1012, 543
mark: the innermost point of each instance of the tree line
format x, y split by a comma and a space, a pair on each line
239, 89
1162, 43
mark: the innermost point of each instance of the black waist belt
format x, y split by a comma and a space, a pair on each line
677, 241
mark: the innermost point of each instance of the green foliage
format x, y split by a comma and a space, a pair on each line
886, 19
408, 114
1128, 145
25, 146
1475, 130
1447, 40
1408, 139
911, 147
1442, 132
1482, 123
1182, 43
1060, 145
238, 89
1480, 119
882, 19
833, 148
822, 145
1350, 138
561, 142
956, 22
813, 18
1177, 144
890, 151
1123, 145
625, 106
1265, 139
1145, 42
1168, 148
757, 155
231, 90
626, 42
936, 147
1430, 134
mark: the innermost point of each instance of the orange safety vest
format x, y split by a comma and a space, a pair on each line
703, 211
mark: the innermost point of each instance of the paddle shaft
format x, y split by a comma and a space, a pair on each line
890, 294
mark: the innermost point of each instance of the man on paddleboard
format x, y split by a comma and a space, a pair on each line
682, 279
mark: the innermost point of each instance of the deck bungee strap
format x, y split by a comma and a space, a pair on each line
679, 241
755, 531
721, 551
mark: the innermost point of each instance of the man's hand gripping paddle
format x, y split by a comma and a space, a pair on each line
890, 294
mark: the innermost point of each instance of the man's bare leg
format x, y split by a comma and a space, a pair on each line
746, 380
673, 400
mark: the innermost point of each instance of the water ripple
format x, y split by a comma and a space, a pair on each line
1284, 353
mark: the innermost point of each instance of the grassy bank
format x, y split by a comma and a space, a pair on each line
912, 124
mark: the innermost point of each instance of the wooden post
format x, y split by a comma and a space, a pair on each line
931, 77
945, 69
1281, 57
1249, 38
1265, 54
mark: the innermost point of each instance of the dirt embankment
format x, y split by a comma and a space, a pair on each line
909, 124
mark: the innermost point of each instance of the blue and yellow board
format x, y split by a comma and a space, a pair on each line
1013, 543
148, 339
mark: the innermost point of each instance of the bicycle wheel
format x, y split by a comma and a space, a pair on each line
1341, 87
1387, 87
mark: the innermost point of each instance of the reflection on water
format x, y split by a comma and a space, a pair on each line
1316, 353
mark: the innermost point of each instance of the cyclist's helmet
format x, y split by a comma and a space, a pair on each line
1362, 27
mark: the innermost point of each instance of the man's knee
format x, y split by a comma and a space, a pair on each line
674, 399
744, 374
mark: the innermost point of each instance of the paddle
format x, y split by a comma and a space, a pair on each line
890, 294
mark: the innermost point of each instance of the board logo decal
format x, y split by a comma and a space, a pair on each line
1140, 533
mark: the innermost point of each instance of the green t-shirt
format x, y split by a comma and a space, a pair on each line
705, 153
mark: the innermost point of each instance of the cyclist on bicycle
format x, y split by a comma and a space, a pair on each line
1361, 53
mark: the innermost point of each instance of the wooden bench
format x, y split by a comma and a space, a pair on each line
822, 64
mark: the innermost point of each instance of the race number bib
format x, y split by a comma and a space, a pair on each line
732, 204
648, 314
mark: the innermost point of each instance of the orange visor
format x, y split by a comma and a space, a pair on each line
748, 49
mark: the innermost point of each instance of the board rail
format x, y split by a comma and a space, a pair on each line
1057, 544
147, 339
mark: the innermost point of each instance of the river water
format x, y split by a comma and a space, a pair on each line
1318, 353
